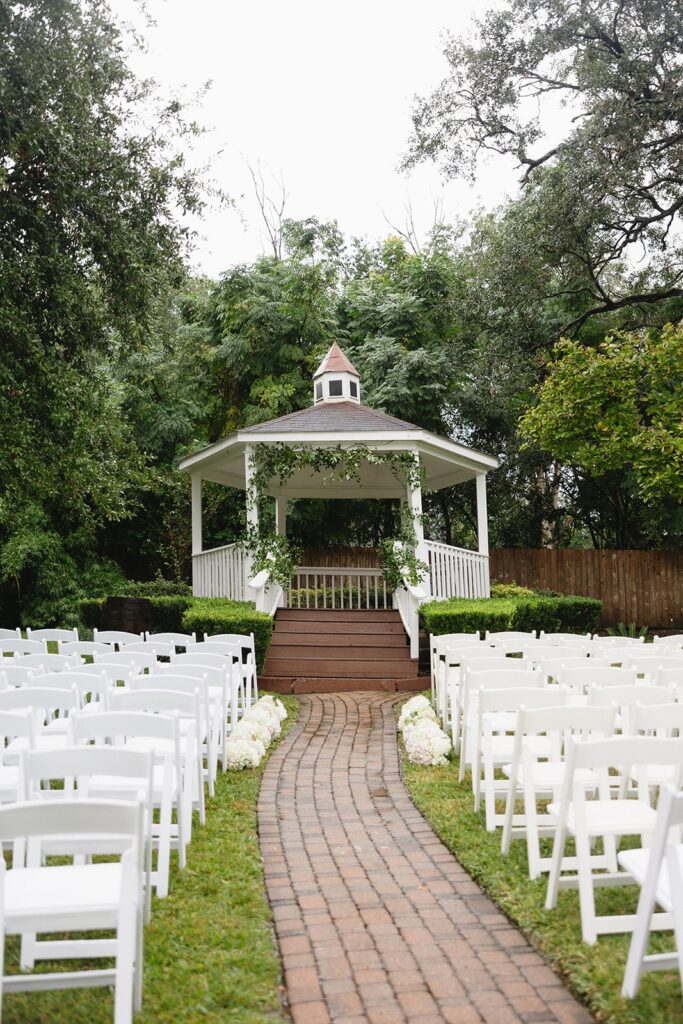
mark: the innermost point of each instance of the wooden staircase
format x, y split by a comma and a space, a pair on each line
316, 651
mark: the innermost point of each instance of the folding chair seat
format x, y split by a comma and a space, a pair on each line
52, 635
608, 817
77, 898
114, 638
158, 735
658, 871
498, 718
537, 779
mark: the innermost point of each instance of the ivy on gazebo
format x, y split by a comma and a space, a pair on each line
279, 555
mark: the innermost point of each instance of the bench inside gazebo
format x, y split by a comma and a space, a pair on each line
335, 605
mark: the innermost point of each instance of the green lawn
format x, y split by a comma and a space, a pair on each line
210, 948
594, 973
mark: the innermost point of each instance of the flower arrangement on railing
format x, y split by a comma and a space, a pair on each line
425, 741
247, 743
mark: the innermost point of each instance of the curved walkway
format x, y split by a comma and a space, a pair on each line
375, 918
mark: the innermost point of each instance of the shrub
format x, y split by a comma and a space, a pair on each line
510, 590
158, 587
166, 612
219, 615
552, 614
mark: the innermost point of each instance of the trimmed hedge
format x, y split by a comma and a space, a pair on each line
166, 612
552, 614
219, 615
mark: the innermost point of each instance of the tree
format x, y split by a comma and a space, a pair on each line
612, 415
604, 200
88, 237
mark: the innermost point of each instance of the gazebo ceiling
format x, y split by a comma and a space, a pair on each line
445, 462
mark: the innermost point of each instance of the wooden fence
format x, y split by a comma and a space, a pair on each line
645, 587
342, 558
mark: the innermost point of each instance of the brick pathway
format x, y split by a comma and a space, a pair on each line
375, 918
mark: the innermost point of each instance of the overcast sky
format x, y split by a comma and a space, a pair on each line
319, 93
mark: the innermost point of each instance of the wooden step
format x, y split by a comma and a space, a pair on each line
340, 667
344, 652
287, 638
314, 626
309, 684
339, 615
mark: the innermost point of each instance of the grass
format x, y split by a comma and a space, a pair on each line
210, 950
594, 973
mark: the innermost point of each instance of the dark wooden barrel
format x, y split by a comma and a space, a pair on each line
134, 614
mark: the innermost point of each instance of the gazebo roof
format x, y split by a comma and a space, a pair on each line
346, 423
336, 361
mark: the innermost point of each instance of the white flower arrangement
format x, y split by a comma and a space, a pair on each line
247, 743
414, 710
426, 743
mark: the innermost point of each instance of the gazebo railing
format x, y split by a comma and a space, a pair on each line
219, 572
340, 589
457, 572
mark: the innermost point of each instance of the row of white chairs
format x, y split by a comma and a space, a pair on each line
106, 641
585, 762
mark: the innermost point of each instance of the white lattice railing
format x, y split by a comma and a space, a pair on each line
219, 572
332, 588
457, 572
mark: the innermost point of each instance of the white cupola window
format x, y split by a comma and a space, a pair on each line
336, 379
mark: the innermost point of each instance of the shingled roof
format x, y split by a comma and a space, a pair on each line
333, 416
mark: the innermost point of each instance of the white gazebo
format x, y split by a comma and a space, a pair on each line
338, 418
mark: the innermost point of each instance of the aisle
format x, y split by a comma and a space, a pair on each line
375, 918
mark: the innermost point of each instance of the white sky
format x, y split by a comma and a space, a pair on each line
319, 93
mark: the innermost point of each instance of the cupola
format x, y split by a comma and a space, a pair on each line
336, 379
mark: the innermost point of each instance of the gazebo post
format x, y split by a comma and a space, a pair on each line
281, 515
482, 516
415, 505
196, 513
252, 510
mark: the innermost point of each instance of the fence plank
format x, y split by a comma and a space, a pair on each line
645, 587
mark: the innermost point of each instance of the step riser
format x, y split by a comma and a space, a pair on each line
316, 626
340, 640
340, 667
339, 685
328, 615
347, 652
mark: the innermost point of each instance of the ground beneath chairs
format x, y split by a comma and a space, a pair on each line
375, 918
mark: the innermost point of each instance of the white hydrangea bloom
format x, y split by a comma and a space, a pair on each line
267, 717
426, 743
270, 701
253, 731
415, 709
243, 753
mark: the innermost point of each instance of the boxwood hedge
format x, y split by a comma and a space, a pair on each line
553, 614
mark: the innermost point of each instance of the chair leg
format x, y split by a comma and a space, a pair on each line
125, 966
586, 892
555, 867
639, 940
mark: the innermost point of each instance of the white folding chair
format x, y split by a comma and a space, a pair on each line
10, 634
497, 720
246, 658
139, 660
15, 674
13, 725
658, 871
475, 675
91, 687
565, 639
156, 649
224, 684
675, 641
650, 666
626, 697
538, 779
47, 705
54, 635
158, 735
618, 641
450, 657
114, 638
437, 649
593, 674
77, 898
610, 817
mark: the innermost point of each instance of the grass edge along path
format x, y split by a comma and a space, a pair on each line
593, 973
210, 949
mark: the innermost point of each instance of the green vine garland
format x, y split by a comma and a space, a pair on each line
280, 461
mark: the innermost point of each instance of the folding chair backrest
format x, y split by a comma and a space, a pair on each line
39, 698
568, 719
113, 819
564, 639
552, 668
50, 662
93, 684
669, 677
198, 657
659, 718
501, 679
618, 751
592, 674
627, 696
618, 641
540, 653
164, 701
87, 647
10, 634
243, 639
16, 724
114, 637
168, 681
445, 640
114, 724
485, 653
13, 674
214, 676
155, 648
228, 650
650, 666
675, 641
38, 766
51, 634
19, 646
511, 699
455, 652
125, 657
174, 639
511, 635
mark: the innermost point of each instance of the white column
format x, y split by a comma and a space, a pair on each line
281, 515
415, 505
482, 515
196, 515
